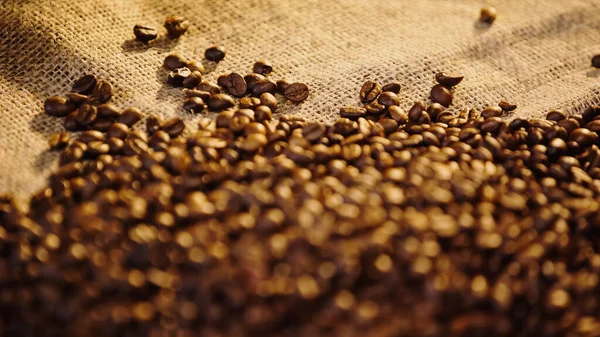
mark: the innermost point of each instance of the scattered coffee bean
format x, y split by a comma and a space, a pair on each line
101, 124
492, 111
77, 99
448, 80
173, 127
262, 86
596, 61
176, 26
144, 33
506, 106
219, 102
487, 15
102, 92
236, 85
152, 124
108, 110
86, 114
208, 87
85, 85
296, 92
313, 132
70, 123
441, 94
556, 115
59, 141
281, 85
215, 53
352, 112
198, 93
262, 67
370, 91
250, 102
194, 66
178, 76
130, 116
58, 106
118, 130
174, 61
392, 87
269, 100
223, 80
193, 80
388, 99
194, 104
375, 108
263, 113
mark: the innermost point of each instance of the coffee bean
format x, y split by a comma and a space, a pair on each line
178, 76
223, 80
448, 80
84, 85
506, 106
392, 87
193, 104
204, 95
254, 142
208, 87
144, 33
399, 115
492, 111
77, 99
370, 91
193, 80
58, 106
134, 146
556, 115
236, 85
262, 86
435, 110
249, 102
262, 67
282, 85
352, 112
441, 94
86, 114
375, 108
97, 148
596, 61
388, 99
414, 114
219, 102
70, 123
176, 26
269, 100
173, 127
487, 15
117, 130
313, 132
263, 113
194, 66
101, 124
583, 137
215, 53
108, 110
174, 61
296, 92
251, 79
130, 116
59, 141
102, 92
590, 113
152, 124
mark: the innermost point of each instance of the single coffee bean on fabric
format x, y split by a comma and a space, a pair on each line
448, 80
492, 111
144, 33
222, 80
392, 87
58, 106
262, 67
84, 85
193, 80
174, 61
219, 102
296, 92
262, 86
556, 115
215, 53
101, 124
118, 130
176, 26
252, 79
441, 94
194, 104
506, 106
102, 92
370, 91
352, 112
487, 15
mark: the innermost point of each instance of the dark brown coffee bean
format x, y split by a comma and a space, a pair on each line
130, 116
249, 102
173, 127
313, 132
176, 26
177, 76
370, 91
487, 15
556, 115
159, 137
282, 85
448, 80
144, 33
152, 124
392, 87
204, 95
97, 148
108, 110
352, 112
194, 104
263, 113
398, 114
194, 66
174, 61
583, 137
58, 106
590, 113
215, 53
416, 110
86, 114
441, 94
251, 79
115, 145
375, 108
101, 124
388, 99
219, 102
236, 85
262, 67
222, 80
506, 106
208, 87
102, 92
91, 136
492, 111
269, 100
518, 123
296, 92
134, 146
84, 85
118, 130
262, 86
193, 80
569, 124
70, 123
596, 61
77, 99
59, 141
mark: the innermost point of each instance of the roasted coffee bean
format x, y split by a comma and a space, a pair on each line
263, 113
194, 66
353, 112
144, 33
134, 146
398, 114
178, 76
269, 100
58, 106
249, 102
296, 92
130, 116
219, 102
194, 104
441, 94
556, 115
102, 92
173, 127
236, 85
392, 87
448, 80
108, 110
176, 26
487, 15
118, 130
506, 106
282, 85
262, 86
492, 111
388, 99
583, 137
208, 87
251, 79
375, 108
416, 110
174, 61
370, 91
91, 136
204, 95
77, 99
70, 123
86, 114
223, 80
313, 132
254, 142
193, 80
152, 124
59, 141
97, 148
215, 53
435, 110
262, 67
84, 85
596, 61
101, 124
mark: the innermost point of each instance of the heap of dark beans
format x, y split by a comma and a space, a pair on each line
385, 223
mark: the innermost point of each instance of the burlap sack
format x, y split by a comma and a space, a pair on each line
537, 54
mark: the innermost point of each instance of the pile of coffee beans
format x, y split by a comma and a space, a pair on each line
384, 223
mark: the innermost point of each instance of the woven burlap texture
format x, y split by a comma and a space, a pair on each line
537, 54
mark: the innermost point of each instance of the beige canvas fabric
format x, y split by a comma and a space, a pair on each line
537, 54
